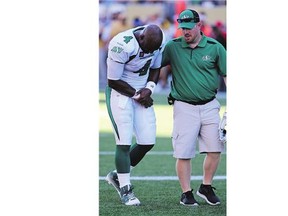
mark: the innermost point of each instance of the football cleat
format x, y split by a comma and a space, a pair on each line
128, 197
112, 179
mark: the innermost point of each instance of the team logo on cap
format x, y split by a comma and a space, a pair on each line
185, 17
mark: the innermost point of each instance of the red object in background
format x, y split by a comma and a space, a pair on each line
179, 7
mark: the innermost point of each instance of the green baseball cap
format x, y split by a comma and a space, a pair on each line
188, 19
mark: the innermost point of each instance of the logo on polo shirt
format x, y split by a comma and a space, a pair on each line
206, 58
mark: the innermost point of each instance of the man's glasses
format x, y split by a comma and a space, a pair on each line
186, 20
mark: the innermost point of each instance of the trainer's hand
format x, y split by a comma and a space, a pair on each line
145, 97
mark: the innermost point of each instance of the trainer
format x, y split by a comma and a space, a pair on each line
196, 63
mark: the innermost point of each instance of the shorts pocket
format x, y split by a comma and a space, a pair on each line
175, 135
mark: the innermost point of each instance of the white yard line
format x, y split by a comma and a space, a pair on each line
149, 153
165, 178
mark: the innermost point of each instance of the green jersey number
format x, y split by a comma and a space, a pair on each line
145, 68
143, 71
127, 39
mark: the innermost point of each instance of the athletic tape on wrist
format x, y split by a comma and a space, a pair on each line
151, 85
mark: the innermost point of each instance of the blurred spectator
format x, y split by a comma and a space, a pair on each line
206, 27
154, 19
169, 29
137, 22
179, 7
212, 3
219, 33
208, 4
116, 22
102, 47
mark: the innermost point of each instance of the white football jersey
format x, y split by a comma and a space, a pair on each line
127, 61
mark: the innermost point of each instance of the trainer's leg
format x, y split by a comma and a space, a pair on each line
209, 140
183, 169
137, 152
210, 165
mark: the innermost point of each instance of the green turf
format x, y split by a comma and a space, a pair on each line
163, 165
157, 197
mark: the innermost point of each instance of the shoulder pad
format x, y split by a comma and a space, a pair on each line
124, 41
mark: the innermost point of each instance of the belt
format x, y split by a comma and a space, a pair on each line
198, 102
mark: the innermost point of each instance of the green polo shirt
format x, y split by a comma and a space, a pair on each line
195, 72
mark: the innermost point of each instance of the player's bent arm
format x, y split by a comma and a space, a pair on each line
145, 93
154, 75
114, 73
122, 87
152, 80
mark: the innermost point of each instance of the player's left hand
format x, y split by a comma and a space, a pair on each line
147, 102
145, 97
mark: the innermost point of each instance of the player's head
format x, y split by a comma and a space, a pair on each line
150, 38
188, 19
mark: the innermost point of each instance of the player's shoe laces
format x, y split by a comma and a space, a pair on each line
112, 179
188, 199
128, 197
206, 192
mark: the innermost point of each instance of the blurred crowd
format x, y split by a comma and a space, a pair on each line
204, 3
113, 19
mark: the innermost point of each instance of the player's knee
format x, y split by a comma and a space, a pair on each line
122, 149
146, 148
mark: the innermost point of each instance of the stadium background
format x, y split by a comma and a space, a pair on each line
117, 16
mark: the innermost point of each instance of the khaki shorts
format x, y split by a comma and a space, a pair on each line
194, 123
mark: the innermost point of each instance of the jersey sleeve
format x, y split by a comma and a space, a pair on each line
117, 57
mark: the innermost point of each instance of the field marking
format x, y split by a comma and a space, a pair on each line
149, 153
165, 178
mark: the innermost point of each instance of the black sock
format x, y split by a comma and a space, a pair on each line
137, 152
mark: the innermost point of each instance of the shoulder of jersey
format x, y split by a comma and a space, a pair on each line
126, 40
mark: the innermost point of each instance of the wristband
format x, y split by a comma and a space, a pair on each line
151, 85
